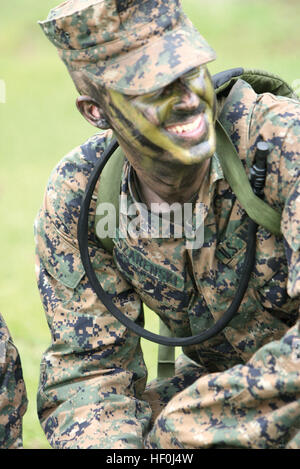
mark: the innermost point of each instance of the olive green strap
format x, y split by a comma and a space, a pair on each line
258, 210
166, 355
109, 190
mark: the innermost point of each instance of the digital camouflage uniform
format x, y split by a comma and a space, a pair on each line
13, 400
240, 389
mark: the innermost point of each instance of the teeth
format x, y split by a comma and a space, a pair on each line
179, 129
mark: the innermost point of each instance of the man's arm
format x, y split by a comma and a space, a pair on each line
93, 374
13, 397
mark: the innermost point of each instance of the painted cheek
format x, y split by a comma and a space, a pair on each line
157, 113
210, 93
152, 134
165, 108
203, 87
214, 108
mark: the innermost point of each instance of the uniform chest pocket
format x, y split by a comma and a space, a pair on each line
153, 282
269, 259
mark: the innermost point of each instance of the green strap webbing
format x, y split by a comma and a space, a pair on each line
166, 355
234, 173
109, 190
262, 82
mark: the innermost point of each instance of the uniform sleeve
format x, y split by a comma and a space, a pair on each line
93, 374
290, 194
13, 398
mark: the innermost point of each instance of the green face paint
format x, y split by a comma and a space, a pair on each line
178, 120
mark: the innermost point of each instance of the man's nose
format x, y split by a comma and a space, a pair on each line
188, 100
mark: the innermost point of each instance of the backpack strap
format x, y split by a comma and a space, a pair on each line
109, 190
260, 80
258, 210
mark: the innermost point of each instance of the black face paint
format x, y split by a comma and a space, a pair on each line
178, 119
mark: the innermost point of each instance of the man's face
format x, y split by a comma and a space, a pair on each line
174, 125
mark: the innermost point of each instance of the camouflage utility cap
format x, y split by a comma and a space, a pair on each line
132, 46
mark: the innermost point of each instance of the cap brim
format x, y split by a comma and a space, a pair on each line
156, 64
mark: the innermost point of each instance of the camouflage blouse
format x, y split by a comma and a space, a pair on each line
240, 388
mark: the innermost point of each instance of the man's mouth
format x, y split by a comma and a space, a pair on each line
193, 129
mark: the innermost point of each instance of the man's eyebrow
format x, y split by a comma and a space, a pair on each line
192, 71
150, 93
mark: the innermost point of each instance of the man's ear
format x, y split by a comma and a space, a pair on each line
92, 112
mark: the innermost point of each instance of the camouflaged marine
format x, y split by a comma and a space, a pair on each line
141, 70
13, 399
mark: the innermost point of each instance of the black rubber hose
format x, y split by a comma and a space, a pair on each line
82, 233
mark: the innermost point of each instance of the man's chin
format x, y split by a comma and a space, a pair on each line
200, 152
203, 151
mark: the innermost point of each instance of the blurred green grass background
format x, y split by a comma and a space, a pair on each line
39, 124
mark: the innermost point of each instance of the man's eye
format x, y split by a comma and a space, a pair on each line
146, 97
194, 73
155, 94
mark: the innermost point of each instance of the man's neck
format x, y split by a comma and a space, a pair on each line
170, 191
